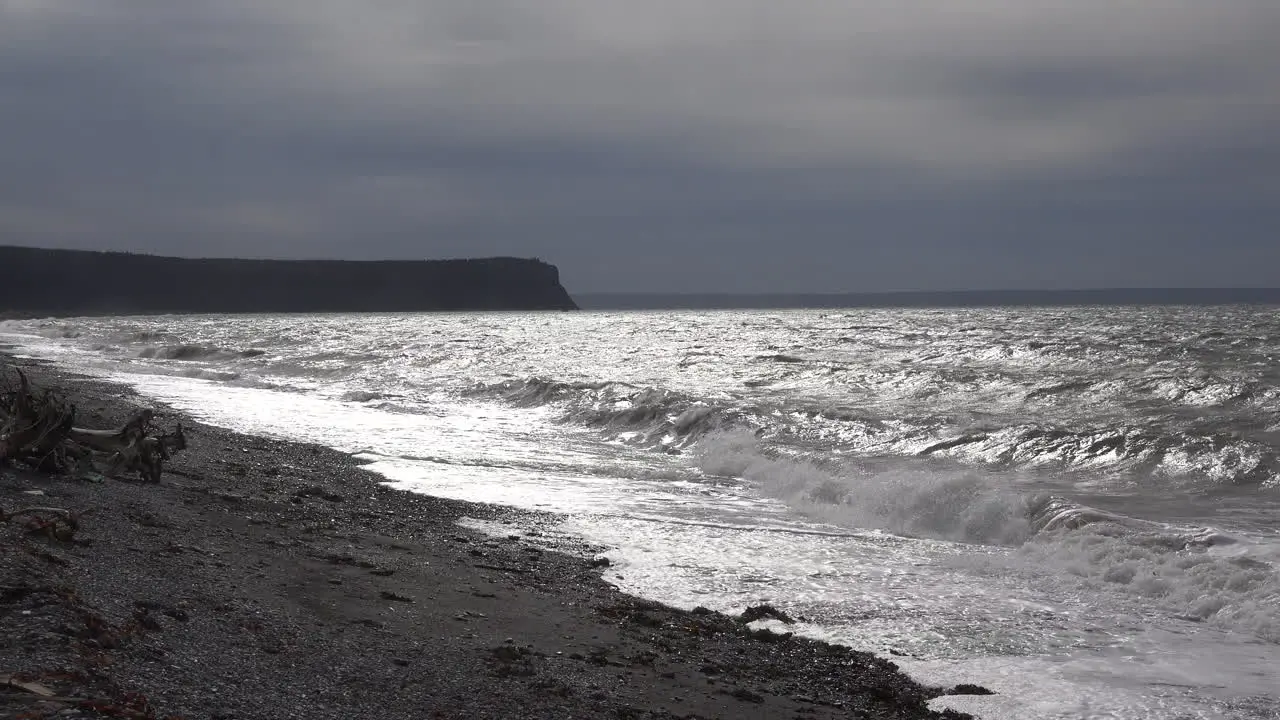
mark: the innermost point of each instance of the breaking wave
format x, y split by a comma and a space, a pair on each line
653, 416
629, 413
1223, 457
955, 506
1197, 574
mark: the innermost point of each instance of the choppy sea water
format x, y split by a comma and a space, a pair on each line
1077, 507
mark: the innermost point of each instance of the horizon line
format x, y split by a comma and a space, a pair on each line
1196, 296
846, 293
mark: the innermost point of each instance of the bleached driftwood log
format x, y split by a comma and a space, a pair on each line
39, 429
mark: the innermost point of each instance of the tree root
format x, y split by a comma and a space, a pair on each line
38, 428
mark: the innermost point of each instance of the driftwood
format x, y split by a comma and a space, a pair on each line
57, 523
31, 422
38, 428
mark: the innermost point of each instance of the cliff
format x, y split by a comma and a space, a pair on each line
79, 282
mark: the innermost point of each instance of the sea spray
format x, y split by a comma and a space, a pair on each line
912, 501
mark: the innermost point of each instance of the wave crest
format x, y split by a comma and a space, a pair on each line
956, 506
633, 414
194, 352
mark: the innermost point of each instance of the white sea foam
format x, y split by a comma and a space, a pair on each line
958, 506
1230, 583
1194, 573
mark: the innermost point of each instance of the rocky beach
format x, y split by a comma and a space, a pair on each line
268, 579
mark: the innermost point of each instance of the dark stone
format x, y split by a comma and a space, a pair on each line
969, 689
761, 612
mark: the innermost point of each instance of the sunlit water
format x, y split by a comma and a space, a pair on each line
1074, 507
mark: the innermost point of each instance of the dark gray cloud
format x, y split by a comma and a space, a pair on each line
733, 145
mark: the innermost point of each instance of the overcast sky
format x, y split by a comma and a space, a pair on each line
660, 145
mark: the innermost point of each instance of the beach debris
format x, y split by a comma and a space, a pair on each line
38, 428
32, 424
10, 683
133, 706
56, 523
763, 612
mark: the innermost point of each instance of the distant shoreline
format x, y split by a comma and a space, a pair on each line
929, 299
76, 282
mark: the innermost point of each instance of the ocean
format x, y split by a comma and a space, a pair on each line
1076, 507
